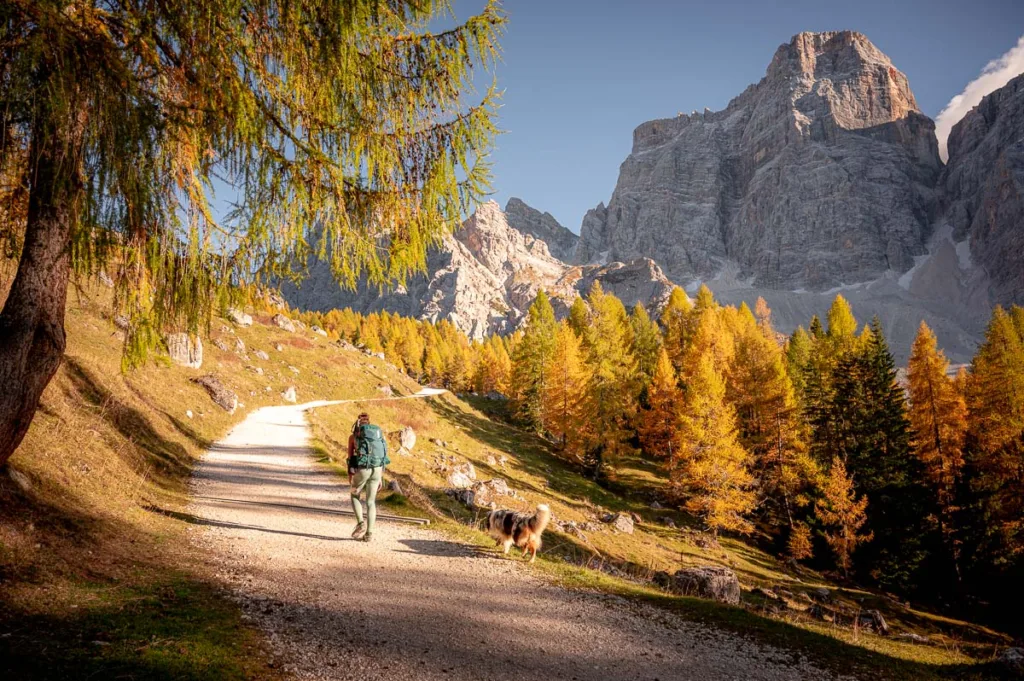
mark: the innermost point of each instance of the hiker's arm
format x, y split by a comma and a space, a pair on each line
351, 453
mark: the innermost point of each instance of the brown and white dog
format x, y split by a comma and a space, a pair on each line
522, 529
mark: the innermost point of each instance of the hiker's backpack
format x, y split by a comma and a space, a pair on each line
371, 450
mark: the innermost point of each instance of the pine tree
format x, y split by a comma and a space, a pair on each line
531, 361
659, 421
565, 405
709, 468
843, 515
938, 417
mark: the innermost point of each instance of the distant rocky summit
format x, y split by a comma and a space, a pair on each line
484, 277
820, 175
561, 242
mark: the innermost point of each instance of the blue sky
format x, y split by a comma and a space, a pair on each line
579, 75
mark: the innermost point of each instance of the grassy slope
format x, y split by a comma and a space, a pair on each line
97, 575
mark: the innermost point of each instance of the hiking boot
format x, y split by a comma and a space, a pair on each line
367, 536
359, 531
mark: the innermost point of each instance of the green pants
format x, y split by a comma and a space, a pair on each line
368, 479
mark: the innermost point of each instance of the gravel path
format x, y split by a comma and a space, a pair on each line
413, 604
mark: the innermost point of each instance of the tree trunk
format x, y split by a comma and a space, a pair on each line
32, 337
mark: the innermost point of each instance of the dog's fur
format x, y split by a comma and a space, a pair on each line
522, 529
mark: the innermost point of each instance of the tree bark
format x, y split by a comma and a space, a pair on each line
32, 339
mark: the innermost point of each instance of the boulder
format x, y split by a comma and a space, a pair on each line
105, 279
317, 330
255, 369
385, 390
407, 438
487, 491
282, 322
260, 354
278, 347
873, 620
238, 317
466, 497
221, 345
466, 469
185, 349
668, 522
622, 522
1012, 659
395, 487
459, 480
121, 321
239, 346
221, 396
707, 581
289, 395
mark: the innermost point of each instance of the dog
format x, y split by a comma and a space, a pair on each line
522, 529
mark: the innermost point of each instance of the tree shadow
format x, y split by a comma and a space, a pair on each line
210, 522
170, 458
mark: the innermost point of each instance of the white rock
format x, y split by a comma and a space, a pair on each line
238, 317
185, 349
289, 395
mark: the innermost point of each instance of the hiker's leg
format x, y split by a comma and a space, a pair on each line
373, 484
359, 481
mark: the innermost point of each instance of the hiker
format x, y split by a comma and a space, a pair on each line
367, 457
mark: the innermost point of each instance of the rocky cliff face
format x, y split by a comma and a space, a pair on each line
485, 277
521, 217
821, 174
984, 187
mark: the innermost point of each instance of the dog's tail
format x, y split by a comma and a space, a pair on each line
540, 519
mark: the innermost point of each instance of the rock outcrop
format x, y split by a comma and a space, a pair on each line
484, 278
984, 186
560, 241
185, 349
821, 174
706, 581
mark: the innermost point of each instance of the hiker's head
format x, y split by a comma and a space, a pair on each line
362, 420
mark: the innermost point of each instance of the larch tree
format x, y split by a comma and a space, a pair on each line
646, 342
769, 419
347, 127
676, 320
938, 418
843, 515
579, 316
995, 404
530, 364
659, 420
709, 470
566, 405
614, 384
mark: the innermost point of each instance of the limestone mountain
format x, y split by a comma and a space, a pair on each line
485, 276
984, 187
561, 242
821, 174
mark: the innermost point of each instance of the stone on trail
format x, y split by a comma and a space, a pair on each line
185, 349
282, 322
221, 396
238, 317
707, 581
289, 395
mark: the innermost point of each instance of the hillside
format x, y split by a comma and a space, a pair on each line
100, 572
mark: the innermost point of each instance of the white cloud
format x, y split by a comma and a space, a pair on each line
995, 75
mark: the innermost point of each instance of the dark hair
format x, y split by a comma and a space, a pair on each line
361, 419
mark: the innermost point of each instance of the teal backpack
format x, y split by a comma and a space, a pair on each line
371, 449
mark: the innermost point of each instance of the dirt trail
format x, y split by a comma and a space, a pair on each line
413, 604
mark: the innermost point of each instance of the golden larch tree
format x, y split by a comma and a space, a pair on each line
564, 410
843, 515
709, 470
659, 421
